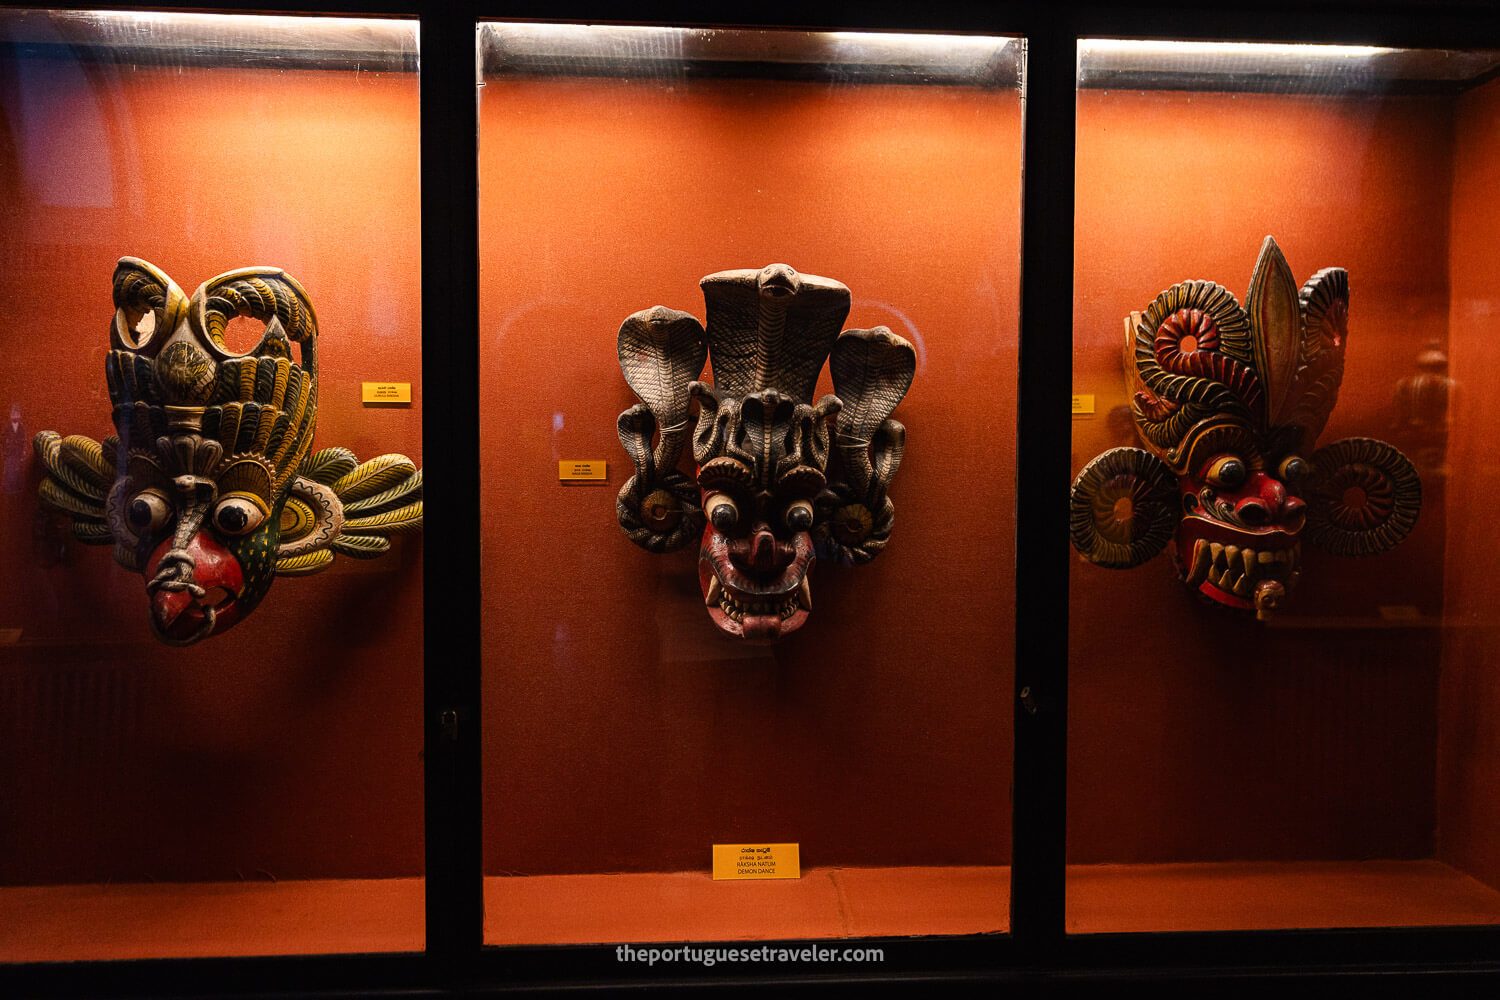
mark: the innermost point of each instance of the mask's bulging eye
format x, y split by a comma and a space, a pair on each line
149, 511
238, 514
1227, 473
1293, 470
799, 515
722, 512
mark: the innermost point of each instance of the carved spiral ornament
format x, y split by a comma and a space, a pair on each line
1202, 360
1214, 375
852, 523
1122, 509
1324, 303
1184, 324
1364, 497
1359, 498
661, 511
666, 518
1324, 300
848, 532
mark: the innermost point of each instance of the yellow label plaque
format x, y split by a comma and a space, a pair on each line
572, 470
1083, 404
733, 861
386, 392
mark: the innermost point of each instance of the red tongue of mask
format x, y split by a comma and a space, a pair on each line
213, 566
762, 628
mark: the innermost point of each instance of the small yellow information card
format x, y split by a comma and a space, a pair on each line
572, 470
733, 861
386, 392
1083, 404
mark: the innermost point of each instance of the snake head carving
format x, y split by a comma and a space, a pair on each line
781, 479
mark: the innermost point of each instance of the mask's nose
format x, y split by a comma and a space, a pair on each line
179, 577
1268, 503
761, 554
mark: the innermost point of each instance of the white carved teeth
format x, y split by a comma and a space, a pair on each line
804, 595
715, 591
1198, 570
1237, 569
1232, 557
782, 607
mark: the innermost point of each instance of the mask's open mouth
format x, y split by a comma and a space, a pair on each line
182, 617
1240, 568
762, 608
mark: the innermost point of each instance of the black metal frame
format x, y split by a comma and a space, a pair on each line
1038, 951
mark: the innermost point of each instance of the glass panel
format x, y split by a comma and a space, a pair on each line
174, 786
1283, 720
632, 719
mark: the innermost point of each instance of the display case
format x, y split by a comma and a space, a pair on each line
737, 356
1299, 743
879, 178
175, 787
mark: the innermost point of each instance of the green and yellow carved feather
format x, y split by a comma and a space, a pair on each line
339, 505
79, 472
375, 500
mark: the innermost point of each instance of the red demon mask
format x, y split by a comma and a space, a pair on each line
1229, 401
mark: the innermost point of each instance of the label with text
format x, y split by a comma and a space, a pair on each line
1083, 404
733, 861
386, 392
572, 470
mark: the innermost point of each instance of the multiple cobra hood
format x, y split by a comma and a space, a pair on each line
774, 489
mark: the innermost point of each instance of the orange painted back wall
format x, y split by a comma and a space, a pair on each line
623, 732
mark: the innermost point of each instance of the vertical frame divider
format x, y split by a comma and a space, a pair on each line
1039, 796
450, 365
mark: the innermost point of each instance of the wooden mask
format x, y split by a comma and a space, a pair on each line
210, 487
774, 490
1229, 402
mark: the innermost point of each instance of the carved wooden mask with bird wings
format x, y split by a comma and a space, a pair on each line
210, 487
